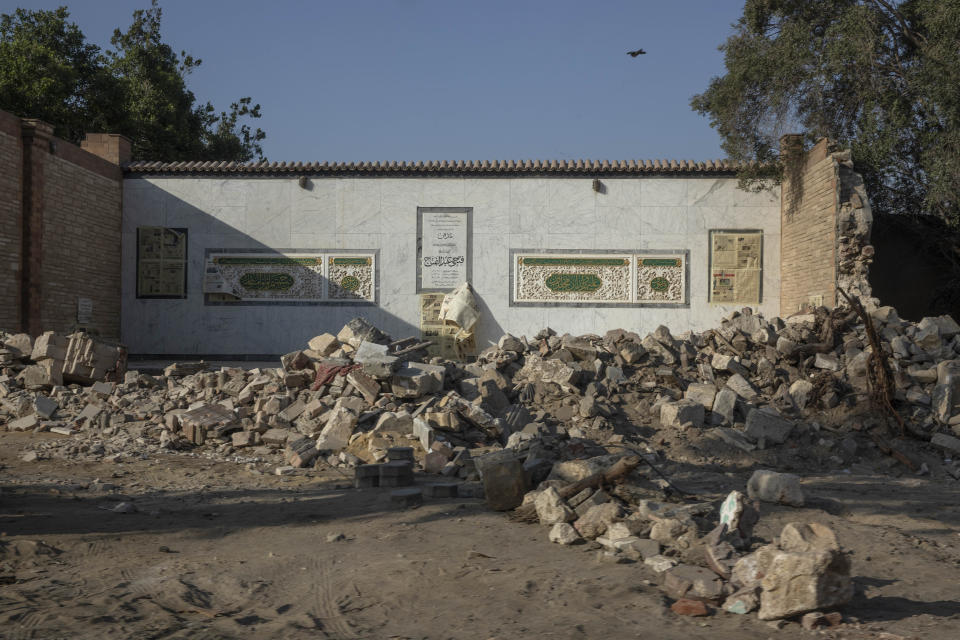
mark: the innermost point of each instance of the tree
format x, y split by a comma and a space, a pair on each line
137, 88
879, 76
48, 70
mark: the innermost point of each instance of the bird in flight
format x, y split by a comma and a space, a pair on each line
638, 52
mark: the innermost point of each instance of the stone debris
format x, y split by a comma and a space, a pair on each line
687, 607
535, 423
563, 533
805, 572
770, 486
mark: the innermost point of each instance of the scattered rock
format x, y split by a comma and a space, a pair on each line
770, 486
807, 572
686, 607
564, 533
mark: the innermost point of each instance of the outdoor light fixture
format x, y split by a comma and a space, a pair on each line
597, 185
302, 181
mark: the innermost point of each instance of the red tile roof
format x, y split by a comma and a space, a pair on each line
441, 167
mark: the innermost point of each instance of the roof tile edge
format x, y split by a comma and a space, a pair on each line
435, 168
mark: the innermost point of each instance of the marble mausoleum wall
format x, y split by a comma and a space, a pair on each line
644, 221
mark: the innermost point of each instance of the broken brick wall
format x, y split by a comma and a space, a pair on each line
61, 208
825, 227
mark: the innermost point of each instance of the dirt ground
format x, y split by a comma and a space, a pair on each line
217, 550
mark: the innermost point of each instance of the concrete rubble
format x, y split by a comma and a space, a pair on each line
534, 424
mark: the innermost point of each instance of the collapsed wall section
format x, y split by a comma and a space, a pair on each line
854, 224
825, 228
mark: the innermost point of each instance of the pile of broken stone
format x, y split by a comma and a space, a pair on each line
803, 572
526, 418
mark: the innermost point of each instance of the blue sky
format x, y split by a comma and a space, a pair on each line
434, 80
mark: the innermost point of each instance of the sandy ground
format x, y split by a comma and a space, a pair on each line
218, 551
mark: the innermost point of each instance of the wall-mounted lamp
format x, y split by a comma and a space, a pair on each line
303, 182
53, 146
597, 185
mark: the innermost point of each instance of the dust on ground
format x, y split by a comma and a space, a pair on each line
215, 550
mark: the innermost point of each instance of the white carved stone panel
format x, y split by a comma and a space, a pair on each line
289, 278
661, 279
572, 278
350, 277
655, 278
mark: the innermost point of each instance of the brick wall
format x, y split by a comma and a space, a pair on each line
808, 227
112, 147
60, 209
10, 212
81, 242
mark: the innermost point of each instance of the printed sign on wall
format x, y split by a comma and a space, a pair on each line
736, 266
161, 262
444, 247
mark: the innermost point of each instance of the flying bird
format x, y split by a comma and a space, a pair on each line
638, 52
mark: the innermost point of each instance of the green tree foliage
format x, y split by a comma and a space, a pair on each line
879, 76
137, 88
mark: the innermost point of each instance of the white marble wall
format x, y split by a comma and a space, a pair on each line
643, 213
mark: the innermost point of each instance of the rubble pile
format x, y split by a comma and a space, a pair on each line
573, 432
801, 572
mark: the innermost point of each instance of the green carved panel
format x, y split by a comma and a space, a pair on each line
573, 282
305, 262
264, 281
661, 262
574, 262
350, 283
660, 284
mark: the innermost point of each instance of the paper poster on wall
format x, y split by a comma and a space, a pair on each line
736, 266
161, 262
432, 328
440, 333
444, 244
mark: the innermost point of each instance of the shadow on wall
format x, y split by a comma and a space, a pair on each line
192, 325
917, 266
